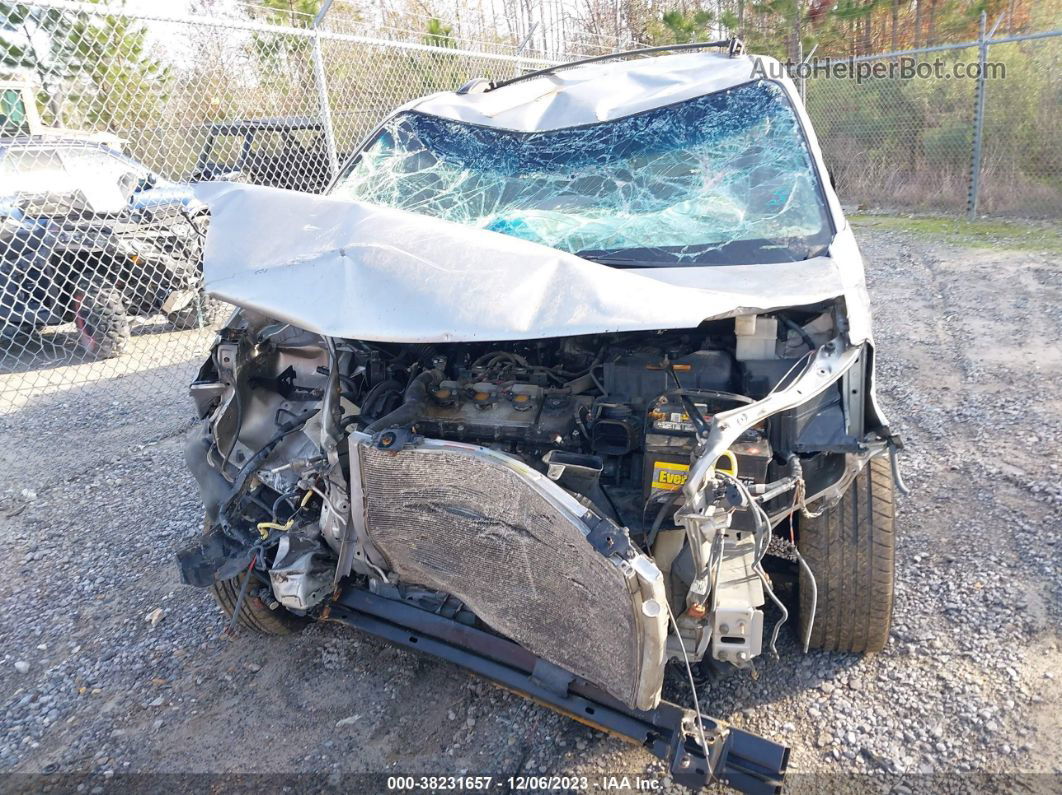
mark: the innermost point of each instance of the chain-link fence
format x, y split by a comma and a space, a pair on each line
110, 110
923, 130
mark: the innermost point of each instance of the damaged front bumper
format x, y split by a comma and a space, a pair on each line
625, 586
745, 761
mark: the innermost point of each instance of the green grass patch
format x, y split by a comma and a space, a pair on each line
989, 233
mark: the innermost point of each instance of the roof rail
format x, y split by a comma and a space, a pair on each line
733, 45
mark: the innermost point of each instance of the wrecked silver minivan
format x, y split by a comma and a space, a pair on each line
561, 381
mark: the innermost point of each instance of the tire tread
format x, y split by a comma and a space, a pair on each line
851, 549
103, 308
254, 615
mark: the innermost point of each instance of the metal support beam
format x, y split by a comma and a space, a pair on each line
742, 760
317, 20
323, 105
979, 115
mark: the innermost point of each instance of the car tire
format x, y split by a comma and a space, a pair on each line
851, 551
255, 614
202, 312
101, 320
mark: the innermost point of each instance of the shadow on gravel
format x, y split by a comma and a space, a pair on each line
55, 430
58, 347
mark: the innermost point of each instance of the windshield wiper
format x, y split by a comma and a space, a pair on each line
624, 262
735, 252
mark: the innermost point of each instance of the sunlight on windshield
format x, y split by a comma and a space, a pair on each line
723, 177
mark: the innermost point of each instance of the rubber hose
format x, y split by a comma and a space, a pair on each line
410, 411
792, 326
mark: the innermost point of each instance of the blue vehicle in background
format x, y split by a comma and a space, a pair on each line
91, 236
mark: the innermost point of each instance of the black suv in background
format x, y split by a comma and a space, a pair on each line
288, 152
90, 235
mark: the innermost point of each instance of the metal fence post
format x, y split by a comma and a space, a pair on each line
323, 104
979, 121
805, 59
524, 42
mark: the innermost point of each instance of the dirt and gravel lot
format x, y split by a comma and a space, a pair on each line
94, 500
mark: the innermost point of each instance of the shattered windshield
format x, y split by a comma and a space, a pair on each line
724, 178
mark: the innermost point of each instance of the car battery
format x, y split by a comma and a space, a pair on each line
670, 440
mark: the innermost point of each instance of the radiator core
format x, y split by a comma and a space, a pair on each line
463, 523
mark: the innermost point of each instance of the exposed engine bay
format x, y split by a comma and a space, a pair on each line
552, 491
558, 389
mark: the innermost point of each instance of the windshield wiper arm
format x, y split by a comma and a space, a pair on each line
733, 45
625, 262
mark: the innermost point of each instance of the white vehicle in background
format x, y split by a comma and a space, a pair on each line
91, 236
18, 111
19, 117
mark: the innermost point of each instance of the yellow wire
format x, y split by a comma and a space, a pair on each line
729, 456
265, 527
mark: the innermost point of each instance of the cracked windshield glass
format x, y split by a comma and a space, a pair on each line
720, 179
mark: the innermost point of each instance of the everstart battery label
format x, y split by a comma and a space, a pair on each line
669, 476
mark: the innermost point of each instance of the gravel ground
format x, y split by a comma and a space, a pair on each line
94, 500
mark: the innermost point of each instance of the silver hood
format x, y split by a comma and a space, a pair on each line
350, 269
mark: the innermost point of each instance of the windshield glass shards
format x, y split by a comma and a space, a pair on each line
724, 178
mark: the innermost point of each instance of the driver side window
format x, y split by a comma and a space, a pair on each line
226, 150
33, 171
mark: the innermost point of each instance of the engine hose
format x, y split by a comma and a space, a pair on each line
769, 491
765, 492
797, 473
412, 408
255, 461
659, 520
897, 478
368, 405
793, 326
814, 597
778, 603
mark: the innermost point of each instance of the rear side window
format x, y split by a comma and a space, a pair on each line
308, 139
227, 149
268, 143
13, 120
96, 164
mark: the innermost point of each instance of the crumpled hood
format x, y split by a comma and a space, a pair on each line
350, 269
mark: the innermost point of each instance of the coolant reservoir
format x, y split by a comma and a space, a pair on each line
757, 338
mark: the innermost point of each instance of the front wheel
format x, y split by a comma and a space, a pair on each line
101, 320
201, 312
851, 551
254, 614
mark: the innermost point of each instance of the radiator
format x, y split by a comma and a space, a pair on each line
512, 546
